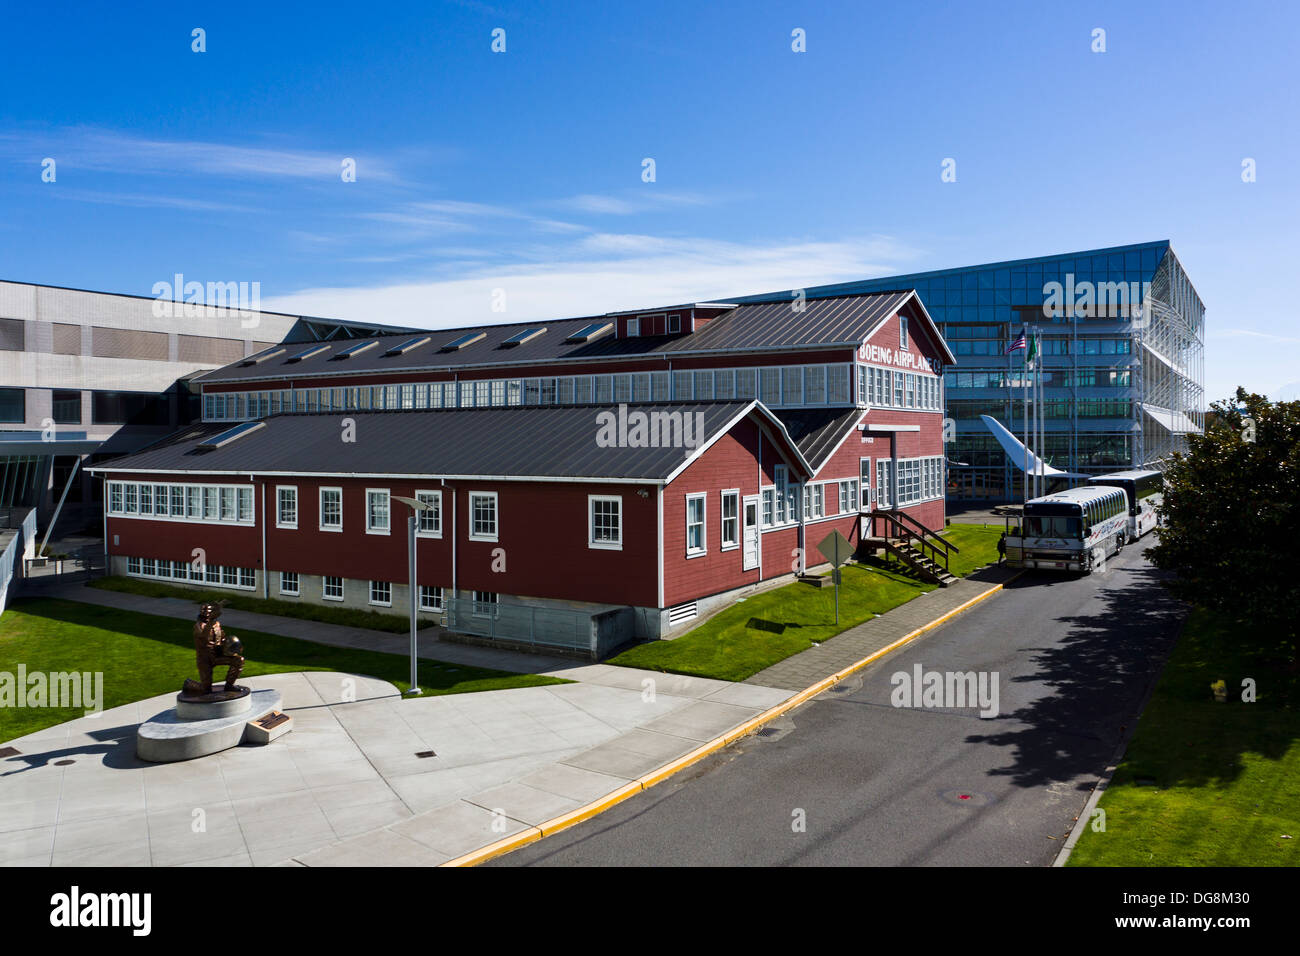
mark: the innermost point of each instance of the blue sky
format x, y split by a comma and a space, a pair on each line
522, 171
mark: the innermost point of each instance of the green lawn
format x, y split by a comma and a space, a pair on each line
760, 630
978, 543
142, 655
345, 616
1204, 783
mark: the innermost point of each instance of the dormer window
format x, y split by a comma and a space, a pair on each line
674, 324
633, 327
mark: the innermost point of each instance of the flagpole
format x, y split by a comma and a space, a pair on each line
1038, 448
1024, 396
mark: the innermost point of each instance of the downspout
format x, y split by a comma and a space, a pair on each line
454, 593
265, 573
103, 496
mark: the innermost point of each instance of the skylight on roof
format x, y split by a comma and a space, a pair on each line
258, 359
357, 349
469, 338
231, 434
409, 344
589, 332
522, 336
308, 353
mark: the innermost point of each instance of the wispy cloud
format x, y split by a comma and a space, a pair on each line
607, 274
649, 198
146, 200
1252, 334
92, 148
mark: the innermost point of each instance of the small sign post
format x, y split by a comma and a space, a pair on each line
837, 550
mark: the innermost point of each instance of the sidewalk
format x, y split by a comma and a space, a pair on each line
378, 780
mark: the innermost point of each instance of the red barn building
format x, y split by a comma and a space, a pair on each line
586, 480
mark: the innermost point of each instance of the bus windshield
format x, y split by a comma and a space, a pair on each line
1053, 526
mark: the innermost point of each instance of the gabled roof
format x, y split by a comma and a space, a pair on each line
818, 432
768, 326
520, 443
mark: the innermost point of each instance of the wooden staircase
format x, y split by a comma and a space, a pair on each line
913, 544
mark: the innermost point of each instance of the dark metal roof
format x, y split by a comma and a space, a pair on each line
776, 325
524, 442
818, 432
772, 326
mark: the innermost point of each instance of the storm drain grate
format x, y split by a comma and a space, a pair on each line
425, 753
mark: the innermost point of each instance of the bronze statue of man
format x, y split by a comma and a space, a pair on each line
214, 648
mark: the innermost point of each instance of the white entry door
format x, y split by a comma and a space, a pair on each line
751, 533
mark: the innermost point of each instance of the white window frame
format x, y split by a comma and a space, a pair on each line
436, 495
297, 582
439, 604
496, 517
488, 606
388, 499
703, 499
324, 587
279, 521
734, 495
320, 517
902, 333
633, 328
591, 523
370, 593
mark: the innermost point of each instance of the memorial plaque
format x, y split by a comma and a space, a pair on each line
274, 719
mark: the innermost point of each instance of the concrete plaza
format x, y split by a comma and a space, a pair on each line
347, 787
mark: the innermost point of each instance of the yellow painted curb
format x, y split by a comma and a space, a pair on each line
573, 817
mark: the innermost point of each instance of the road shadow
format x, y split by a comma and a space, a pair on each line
1097, 676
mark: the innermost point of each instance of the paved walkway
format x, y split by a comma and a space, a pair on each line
848, 647
347, 786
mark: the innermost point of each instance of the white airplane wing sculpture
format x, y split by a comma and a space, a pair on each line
1020, 455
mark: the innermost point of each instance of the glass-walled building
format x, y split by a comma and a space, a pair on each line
1123, 340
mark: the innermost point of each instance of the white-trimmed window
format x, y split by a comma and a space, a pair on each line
782, 494
377, 511
286, 506
289, 582
695, 537
115, 497
902, 332
430, 598
429, 523
331, 509
730, 536
633, 327
381, 593
486, 603
483, 515
331, 588
818, 501
605, 522
769, 499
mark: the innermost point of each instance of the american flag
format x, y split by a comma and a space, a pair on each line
1017, 344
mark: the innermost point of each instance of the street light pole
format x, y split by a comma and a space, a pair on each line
413, 587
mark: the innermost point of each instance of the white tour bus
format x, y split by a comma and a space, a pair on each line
1070, 530
1145, 491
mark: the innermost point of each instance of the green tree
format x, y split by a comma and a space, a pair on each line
1229, 519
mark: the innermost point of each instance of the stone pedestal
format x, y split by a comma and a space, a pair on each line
220, 703
202, 727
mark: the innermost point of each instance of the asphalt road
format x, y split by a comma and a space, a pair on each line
875, 784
